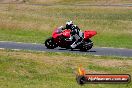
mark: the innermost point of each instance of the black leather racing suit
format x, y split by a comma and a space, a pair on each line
75, 34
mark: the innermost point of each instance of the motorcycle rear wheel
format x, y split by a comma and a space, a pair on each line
86, 46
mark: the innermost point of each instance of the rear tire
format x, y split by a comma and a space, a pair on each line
86, 46
49, 43
90, 44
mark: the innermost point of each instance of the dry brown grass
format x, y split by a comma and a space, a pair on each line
35, 68
33, 17
45, 1
112, 63
82, 1
68, 1
60, 59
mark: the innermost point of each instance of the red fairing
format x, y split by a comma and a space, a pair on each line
66, 33
56, 33
89, 33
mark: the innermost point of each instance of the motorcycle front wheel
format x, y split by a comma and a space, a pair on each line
49, 43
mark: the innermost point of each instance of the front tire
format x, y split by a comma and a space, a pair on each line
49, 43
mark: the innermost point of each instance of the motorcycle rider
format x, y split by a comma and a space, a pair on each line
76, 33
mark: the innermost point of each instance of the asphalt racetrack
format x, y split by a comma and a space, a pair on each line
97, 51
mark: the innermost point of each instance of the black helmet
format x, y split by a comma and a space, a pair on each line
69, 24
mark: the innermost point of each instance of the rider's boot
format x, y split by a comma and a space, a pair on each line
73, 45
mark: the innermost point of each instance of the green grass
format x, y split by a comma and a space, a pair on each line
23, 69
27, 23
80, 1
23, 35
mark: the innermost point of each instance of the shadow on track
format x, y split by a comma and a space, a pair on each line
76, 50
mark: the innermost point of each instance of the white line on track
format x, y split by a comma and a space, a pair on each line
21, 42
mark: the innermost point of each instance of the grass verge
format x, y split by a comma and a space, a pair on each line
79, 1
24, 69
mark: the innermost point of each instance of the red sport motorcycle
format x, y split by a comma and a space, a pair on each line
61, 39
